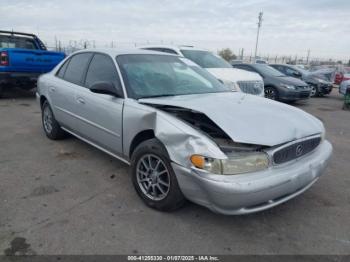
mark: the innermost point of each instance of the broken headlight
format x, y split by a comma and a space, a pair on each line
238, 163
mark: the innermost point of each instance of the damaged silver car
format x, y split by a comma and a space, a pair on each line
184, 134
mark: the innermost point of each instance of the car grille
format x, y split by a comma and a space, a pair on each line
296, 150
302, 87
251, 87
304, 94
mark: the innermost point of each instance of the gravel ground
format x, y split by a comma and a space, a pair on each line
67, 197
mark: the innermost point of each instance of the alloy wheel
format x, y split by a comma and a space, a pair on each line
47, 119
270, 93
153, 177
313, 90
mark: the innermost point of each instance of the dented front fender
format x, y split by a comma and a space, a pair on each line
180, 139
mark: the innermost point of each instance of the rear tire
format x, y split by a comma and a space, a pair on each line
51, 127
153, 177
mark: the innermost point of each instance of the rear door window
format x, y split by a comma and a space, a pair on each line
101, 68
63, 68
17, 42
77, 67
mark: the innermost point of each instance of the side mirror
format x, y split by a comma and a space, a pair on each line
107, 88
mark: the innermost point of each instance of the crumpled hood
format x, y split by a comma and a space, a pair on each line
234, 74
247, 118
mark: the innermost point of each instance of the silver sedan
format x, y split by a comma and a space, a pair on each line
184, 134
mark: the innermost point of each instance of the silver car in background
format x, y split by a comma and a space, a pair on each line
184, 134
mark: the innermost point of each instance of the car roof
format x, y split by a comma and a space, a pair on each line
115, 52
283, 65
174, 47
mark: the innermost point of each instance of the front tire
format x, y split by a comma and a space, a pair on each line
51, 127
315, 92
153, 177
271, 93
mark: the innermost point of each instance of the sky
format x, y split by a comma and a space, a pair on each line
290, 27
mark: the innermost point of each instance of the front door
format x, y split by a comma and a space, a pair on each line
101, 115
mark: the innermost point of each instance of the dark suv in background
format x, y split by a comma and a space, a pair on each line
319, 86
278, 86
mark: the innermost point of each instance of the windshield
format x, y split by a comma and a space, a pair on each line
266, 70
205, 59
162, 75
301, 70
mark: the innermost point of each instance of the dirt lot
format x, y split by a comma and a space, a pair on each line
68, 198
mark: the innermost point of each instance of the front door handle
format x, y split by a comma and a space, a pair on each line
80, 100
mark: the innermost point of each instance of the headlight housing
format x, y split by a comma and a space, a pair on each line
238, 163
232, 85
288, 86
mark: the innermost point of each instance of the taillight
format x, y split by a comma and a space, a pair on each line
4, 58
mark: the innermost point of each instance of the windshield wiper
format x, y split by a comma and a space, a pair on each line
154, 96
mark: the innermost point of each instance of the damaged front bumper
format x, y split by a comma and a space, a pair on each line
249, 193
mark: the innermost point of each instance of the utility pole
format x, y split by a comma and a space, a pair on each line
308, 56
257, 35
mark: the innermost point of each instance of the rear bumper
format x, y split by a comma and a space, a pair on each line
18, 78
249, 193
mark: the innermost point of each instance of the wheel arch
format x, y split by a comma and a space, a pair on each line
42, 100
139, 138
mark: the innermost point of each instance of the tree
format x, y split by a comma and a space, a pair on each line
349, 63
227, 54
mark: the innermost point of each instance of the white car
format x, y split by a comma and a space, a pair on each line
236, 79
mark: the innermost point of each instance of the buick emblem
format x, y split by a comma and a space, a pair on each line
299, 150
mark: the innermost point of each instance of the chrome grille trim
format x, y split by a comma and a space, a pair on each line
288, 151
251, 87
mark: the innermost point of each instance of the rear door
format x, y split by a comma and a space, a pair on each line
100, 115
63, 89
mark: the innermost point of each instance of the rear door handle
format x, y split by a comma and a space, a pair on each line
80, 100
52, 89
